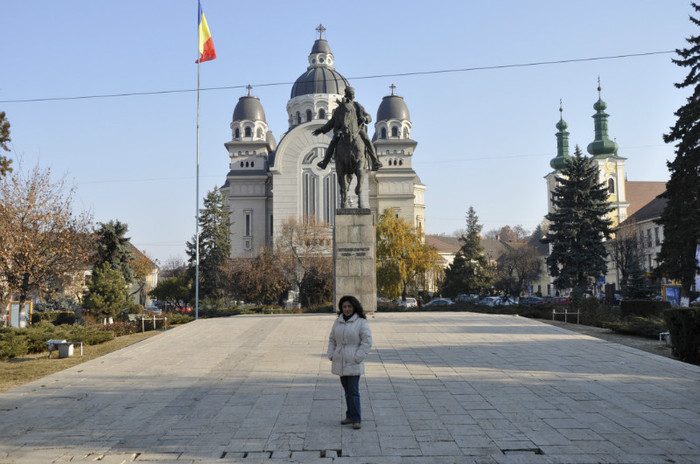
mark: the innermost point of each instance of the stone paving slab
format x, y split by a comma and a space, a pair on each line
439, 388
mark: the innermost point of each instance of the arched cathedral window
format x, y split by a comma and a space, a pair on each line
298, 117
611, 186
237, 133
248, 132
308, 115
260, 133
321, 114
394, 131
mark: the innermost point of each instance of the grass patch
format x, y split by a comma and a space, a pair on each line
35, 366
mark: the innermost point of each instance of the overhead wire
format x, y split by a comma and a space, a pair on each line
374, 76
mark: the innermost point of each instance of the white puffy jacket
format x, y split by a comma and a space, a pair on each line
349, 345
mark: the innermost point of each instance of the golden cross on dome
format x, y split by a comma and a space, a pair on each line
392, 87
320, 30
249, 87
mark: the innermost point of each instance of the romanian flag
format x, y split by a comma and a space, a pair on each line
206, 45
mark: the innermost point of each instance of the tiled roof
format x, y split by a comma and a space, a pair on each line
651, 210
639, 194
443, 243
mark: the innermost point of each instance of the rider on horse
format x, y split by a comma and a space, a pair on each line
339, 126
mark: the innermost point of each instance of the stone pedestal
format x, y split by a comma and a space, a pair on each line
354, 257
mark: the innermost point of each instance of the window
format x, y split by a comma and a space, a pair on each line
383, 136
248, 224
248, 132
321, 114
308, 115
298, 117
260, 133
611, 186
252, 164
241, 163
657, 239
648, 237
394, 131
237, 133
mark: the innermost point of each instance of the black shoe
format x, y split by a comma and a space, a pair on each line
322, 164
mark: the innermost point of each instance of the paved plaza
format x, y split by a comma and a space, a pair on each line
439, 388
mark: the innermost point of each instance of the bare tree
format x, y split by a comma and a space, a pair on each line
626, 252
302, 246
41, 236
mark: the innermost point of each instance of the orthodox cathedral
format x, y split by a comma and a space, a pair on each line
271, 181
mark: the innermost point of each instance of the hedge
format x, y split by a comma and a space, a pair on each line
643, 308
684, 325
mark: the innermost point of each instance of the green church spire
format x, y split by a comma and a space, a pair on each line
562, 157
602, 146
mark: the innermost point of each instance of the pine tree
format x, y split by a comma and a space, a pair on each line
681, 217
214, 246
470, 271
113, 248
4, 141
106, 295
578, 226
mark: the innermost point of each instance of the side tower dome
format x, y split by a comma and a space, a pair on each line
315, 92
393, 118
559, 162
248, 122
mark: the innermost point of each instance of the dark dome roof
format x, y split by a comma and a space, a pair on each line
393, 107
321, 46
249, 108
319, 79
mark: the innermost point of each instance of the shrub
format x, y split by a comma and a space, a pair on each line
648, 327
54, 317
37, 336
12, 344
177, 318
644, 308
684, 325
89, 335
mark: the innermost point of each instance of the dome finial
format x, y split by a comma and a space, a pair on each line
392, 87
249, 87
599, 87
561, 109
320, 29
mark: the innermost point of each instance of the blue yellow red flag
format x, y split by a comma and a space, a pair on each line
206, 44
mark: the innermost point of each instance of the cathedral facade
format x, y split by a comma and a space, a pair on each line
271, 181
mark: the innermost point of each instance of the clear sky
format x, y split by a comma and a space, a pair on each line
485, 137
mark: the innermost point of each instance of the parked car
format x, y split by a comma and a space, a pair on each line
440, 302
153, 310
531, 300
408, 303
464, 298
490, 301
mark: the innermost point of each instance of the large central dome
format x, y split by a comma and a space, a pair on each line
320, 76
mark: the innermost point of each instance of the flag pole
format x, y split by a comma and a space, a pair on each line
196, 272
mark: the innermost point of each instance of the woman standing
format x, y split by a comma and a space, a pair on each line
348, 346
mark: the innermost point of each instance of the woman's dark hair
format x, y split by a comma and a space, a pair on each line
355, 304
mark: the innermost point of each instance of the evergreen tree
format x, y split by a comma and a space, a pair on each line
112, 247
470, 272
4, 140
681, 218
578, 226
107, 292
214, 246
